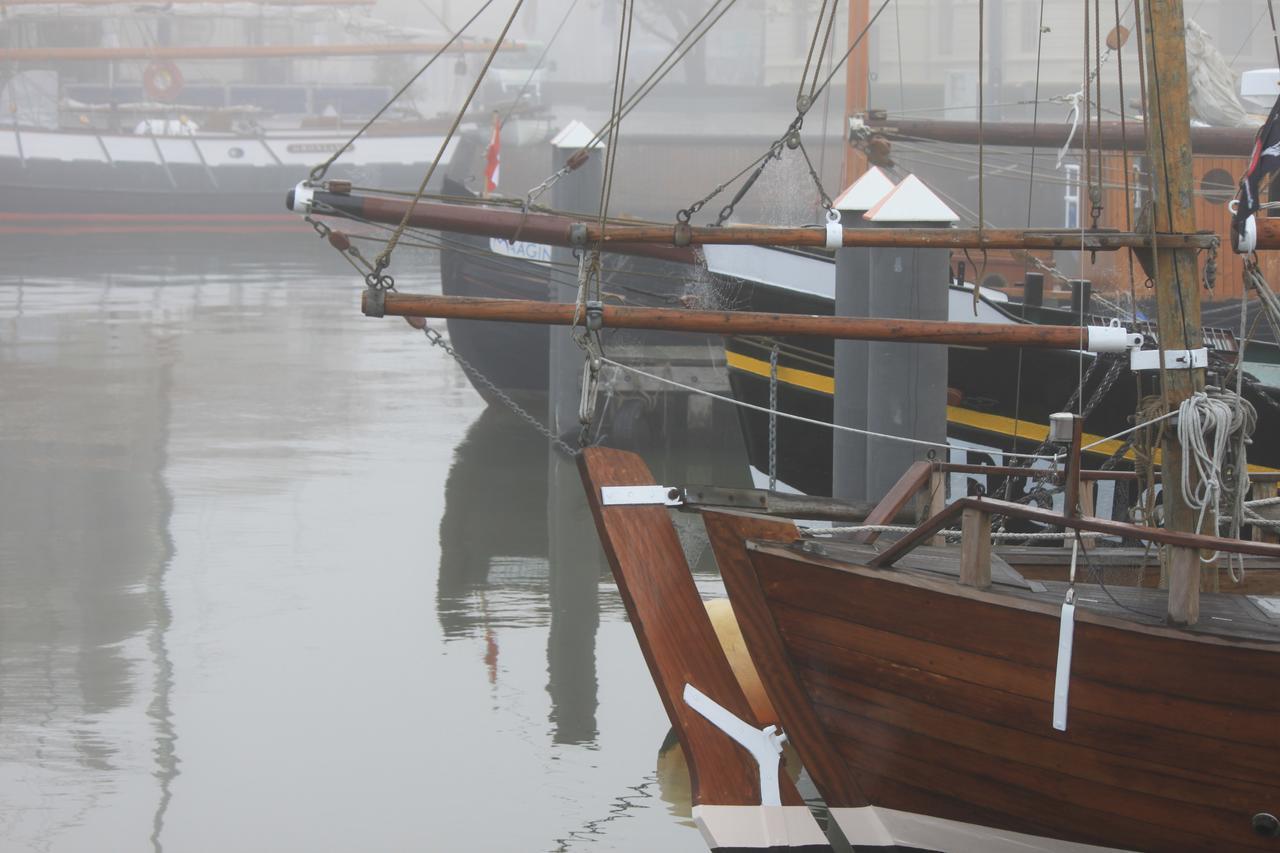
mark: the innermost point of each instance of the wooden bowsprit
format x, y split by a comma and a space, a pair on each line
378, 303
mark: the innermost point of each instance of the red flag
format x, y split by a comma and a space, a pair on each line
492, 158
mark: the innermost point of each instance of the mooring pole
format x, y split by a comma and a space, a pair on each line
853, 299
1176, 282
577, 191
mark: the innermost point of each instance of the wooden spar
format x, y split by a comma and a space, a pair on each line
1220, 141
732, 322
904, 238
1176, 283
664, 241
473, 219
857, 73
244, 51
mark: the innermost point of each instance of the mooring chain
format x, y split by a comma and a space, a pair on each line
560, 444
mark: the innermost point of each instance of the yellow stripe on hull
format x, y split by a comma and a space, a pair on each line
994, 424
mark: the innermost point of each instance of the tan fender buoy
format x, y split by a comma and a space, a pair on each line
720, 611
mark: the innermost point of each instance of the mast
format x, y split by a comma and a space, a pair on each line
857, 73
1176, 282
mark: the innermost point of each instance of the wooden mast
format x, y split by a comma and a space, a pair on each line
1176, 283
855, 93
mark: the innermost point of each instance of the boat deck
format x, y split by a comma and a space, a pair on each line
1227, 615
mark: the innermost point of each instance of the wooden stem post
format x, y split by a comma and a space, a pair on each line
1176, 282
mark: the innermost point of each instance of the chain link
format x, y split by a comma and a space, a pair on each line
1211, 267
790, 139
560, 444
532, 195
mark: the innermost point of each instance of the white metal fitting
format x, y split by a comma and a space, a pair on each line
1174, 359
765, 745
1112, 339
1061, 427
301, 197
640, 496
835, 231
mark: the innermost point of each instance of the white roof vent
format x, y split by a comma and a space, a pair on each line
574, 135
911, 201
864, 193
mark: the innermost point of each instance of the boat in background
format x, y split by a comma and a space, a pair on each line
999, 400
111, 118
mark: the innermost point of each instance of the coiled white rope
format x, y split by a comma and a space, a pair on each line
1213, 427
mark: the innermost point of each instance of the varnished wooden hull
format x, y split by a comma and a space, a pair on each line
935, 701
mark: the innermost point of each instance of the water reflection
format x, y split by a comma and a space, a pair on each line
84, 547
219, 487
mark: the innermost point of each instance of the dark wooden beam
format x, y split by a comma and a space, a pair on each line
730, 322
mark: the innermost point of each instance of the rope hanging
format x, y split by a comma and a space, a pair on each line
318, 173
378, 279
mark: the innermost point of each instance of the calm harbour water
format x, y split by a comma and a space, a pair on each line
272, 577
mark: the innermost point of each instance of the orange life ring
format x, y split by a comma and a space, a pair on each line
162, 81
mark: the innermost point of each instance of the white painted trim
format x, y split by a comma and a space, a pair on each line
765, 745
538, 253
783, 270
1062, 675
303, 196
875, 826
638, 496
758, 826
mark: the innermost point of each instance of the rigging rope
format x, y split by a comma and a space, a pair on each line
378, 278
318, 173
677, 53
538, 65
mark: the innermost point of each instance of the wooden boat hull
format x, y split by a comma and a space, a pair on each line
514, 356
936, 703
